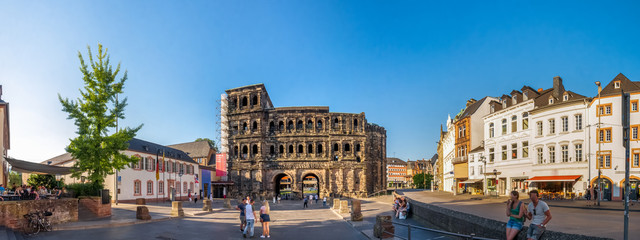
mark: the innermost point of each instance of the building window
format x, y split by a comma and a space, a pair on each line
635, 157
552, 154
525, 149
184, 189
634, 132
565, 97
604, 159
491, 155
137, 185
514, 151
634, 105
579, 122
550, 100
191, 186
161, 187
616, 84
493, 108
310, 148
604, 135
565, 124
178, 187
565, 153
504, 126
290, 148
604, 110
539, 128
319, 148
552, 126
578, 152
336, 147
149, 188
540, 155
491, 130
504, 152
300, 149
525, 121
514, 123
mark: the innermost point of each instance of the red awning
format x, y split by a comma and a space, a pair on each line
567, 178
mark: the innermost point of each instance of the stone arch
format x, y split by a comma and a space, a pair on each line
604, 179
244, 101
307, 184
282, 188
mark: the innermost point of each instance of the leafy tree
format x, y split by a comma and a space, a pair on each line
49, 181
98, 152
211, 143
15, 178
419, 181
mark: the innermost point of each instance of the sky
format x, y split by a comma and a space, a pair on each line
405, 64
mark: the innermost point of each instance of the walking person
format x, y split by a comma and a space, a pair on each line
251, 219
515, 211
539, 214
595, 194
189, 195
243, 219
265, 219
324, 201
306, 200
316, 197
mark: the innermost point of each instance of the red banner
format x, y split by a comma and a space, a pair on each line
221, 164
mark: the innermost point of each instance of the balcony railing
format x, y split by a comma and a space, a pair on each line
462, 159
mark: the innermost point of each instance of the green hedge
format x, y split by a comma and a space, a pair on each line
84, 189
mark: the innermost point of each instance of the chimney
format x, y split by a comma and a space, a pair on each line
558, 88
471, 101
0, 92
540, 90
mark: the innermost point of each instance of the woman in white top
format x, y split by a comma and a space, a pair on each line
265, 219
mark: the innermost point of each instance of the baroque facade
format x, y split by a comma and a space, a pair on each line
299, 150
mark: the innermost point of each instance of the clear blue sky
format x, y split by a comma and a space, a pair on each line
405, 64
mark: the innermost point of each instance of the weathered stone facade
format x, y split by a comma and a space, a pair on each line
341, 150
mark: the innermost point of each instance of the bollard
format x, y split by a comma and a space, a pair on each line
176, 209
356, 212
336, 204
344, 206
206, 205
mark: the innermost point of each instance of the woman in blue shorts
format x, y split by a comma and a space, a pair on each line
515, 212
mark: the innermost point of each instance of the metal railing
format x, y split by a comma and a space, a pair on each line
379, 193
409, 227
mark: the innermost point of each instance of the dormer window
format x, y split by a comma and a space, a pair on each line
515, 100
550, 100
504, 104
565, 97
616, 84
525, 96
493, 108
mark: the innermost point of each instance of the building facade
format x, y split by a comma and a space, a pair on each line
448, 151
341, 153
397, 173
4, 140
205, 155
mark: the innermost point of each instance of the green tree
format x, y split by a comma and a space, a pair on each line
419, 181
15, 178
49, 181
99, 152
211, 143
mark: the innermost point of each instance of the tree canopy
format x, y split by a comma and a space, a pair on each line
98, 146
419, 181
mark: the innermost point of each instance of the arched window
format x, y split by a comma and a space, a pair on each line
255, 125
355, 123
244, 102
137, 187
235, 151
300, 149
514, 123
310, 148
290, 148
491, 130
178, 187
347, 147
244, 126
299, 126
336, 122
358, 159
272, 150
504, 126
319, 124
335, 147
255, 150
254, 100
161, 187
245, 151
290, 125
271, 126
358, 147
184, 189
309, 124
281, 149
281, 125
149, 187
525, 121
319, 148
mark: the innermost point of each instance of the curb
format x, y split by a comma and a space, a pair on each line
62, 228
594, 208
350, 224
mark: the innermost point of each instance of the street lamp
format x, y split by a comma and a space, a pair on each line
484, 172
495, 173
598, 156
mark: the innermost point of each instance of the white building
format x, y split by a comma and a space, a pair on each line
609, 156
507, 141
475, 183
448, 153
139, 180
559, 150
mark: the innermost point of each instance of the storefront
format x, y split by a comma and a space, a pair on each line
554, 187
473, 186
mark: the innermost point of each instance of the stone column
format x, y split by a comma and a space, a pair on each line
206, 205
176, 209
336, 204
344, 206
356, 212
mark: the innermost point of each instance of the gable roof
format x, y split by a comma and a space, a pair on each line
194, 149
473, 108
626, 85
153, 148
57, 160
395, 161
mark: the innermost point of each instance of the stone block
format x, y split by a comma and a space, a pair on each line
206, 205
344, 206
227, 203
141, 201
176, 209
336, 204
142, 213
94, 204
356, 211
384, 227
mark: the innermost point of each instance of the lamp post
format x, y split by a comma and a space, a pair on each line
495, 173
484, 172
598, 156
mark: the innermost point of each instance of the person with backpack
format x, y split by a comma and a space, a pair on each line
516, 212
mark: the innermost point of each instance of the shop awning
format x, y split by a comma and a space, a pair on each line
566, 178
472, 181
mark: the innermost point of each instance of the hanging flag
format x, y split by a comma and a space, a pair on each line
196, 177
157, 169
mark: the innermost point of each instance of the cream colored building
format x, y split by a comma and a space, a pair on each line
4, 140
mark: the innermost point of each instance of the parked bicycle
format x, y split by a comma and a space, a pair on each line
38, 221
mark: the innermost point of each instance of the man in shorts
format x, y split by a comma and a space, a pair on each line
243, 219
539, 214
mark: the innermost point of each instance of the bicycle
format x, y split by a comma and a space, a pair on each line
38, 221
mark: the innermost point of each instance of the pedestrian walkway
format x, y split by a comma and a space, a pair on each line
568, 216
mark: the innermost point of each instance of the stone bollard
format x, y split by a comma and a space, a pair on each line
227, 203
336, 204
176, 209
356, 212
141, 201
383, 227
206, 205
142, 213
344, 206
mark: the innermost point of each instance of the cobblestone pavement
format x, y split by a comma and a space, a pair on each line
289, 221
569, 217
